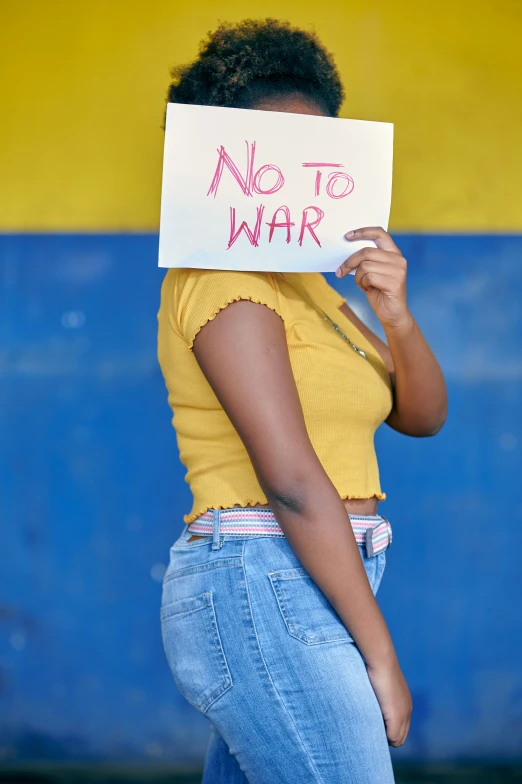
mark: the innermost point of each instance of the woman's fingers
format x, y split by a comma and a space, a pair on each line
387, 257
404, 733
377, 261
376, 280
376, 233
399, 737
386, 277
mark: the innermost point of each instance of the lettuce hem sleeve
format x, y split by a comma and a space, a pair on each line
222, 306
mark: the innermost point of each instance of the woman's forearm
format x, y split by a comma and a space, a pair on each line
420, 399
319, 532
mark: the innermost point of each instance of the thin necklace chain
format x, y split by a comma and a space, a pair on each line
326, 317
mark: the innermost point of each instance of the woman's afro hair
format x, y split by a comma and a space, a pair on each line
239, 64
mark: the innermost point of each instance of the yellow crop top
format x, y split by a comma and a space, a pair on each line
344, 396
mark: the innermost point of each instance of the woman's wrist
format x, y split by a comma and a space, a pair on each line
402, 327
383, 658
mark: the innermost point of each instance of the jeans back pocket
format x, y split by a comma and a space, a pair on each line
307, 613
194, 650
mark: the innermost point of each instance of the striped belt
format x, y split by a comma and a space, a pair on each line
374, 531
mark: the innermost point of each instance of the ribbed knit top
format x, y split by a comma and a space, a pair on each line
344, 396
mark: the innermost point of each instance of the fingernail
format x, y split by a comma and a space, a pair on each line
350, 234
338, 272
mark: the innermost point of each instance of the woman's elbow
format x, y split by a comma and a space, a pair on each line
290, 491
433, 430
287, 501
416, 427
431, 427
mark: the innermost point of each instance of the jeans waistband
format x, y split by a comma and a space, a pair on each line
374, 531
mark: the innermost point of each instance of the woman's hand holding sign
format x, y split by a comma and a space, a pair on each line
381, 274
420, 399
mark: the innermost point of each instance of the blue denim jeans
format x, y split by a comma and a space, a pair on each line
255, 646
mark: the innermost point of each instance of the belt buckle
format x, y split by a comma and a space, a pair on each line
368, 539
390, 532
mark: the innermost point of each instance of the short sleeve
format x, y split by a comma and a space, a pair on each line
199, 295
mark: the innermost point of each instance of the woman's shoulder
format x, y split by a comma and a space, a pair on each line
192, 277
191, 285
195, 296
319, 288
216, 284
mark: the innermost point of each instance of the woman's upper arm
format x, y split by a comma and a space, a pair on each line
244, 355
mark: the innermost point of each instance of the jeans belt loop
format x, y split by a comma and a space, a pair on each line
216, 544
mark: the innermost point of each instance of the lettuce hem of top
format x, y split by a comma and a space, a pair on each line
222, 306
190, 518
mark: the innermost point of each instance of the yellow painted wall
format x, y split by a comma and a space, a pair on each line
83, 86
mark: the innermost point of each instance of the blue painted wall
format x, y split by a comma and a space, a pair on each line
92, 496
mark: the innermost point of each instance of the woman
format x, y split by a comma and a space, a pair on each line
269, 617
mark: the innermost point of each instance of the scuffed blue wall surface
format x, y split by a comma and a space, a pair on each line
92, 497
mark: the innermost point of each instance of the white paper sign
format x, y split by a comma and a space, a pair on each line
247, 189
